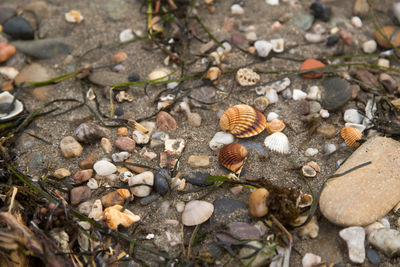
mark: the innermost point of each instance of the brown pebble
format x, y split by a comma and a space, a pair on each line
89, 161
117, 197
80, 194
122, 131
134, 168
392, 33
199, 161
106, 145
361, 8
120, 56
70, 148
327, 130
125, 144
6, 51
62, 173
355, 89
303, 107
368, 79
8, 85
165, 121
238, 39
83, 175
388, 82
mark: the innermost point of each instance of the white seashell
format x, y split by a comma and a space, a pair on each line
140, 138
278, 142
159, 74
272, 116
120, 157
308, 171
281, 85
278, 45
221, 139
126, 35
196, 212
263, 48
352, 116
9, 72
310, 152
260, 90
217, 57
236, 9
92, 184
360, 127
314, 93
172, 85
5, 99
357, 22
142, 178
97, 211
175, 146
272, 2
287, 93
125, 176
324, 113
272, 95
299, 95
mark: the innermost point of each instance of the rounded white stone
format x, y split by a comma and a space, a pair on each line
353, 116
310, 152
142, 178
369, 47
104, 168
263, 48
324, 113
314, 93
272, 95
272, 116
236, 9
357, 22
299, 95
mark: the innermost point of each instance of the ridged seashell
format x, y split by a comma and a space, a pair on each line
275, 126
258, 202
247, 77
196, 212
243, 121
233, 157
351, 136
90, 132
278, 142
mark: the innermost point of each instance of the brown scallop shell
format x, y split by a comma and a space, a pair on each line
243, 121
351, 136
275, 126
233, 157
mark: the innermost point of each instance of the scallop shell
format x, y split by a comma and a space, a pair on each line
196, 212
277, 142
275, 126
351, 136
233, 156
243, 121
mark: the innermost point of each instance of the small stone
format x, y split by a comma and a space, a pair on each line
357, 22
85, 207
43, 48
161, 179
263, 48
314, 37
367, 78
79, 194
314, 93
321, 11
261, 103
221, 139
272, 116
388, 82
355, 89
315, 107
18, 28
337, 92
324, 113
391, 33
299, 95
35, 73
303, 107
62, 173
120, 57
120, 157
311, 152
125, 144
354, 237
180, 206
199, 161
310, 230
146, 178
122, 131
97, 211
126, 35
373, 256
175, 146
327, 130
165, 122
70, 148
104, 168
369, 47
6, 13
73, 16
90, 132
361, 8
346, 36
303, 20
332, 40
236, 9
372, 227
194, 119
310, 260
312, 64
92, 184
271, 95
106, 145
237, 39
251, 36
386, 240
7, 51
352, 116
117, 197
114, 217
83, 175
242, 230
148, 200
88, 162
329, 148
383, 62
368, 193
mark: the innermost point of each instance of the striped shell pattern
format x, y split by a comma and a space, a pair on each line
233, 157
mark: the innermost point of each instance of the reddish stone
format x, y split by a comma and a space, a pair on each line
165, 121
125, 144
83, 176
312, 64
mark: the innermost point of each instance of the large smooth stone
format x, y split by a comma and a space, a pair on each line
364, 195
107, 78
35, 73
18, 28
42, 49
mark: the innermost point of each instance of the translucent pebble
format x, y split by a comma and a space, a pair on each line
299, 95
272, 95
310, 152
271, 116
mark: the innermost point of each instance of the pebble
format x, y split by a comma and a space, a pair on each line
161, 185
391, 33
126, 35
85, 207
180, 206
315, 107
386, 240
373, 256
261, 258
329, 148
88, 162
120, 157
117, 197
104, 168
321, 11
299, 95
70, 148
18, 28
314, 37
61, 173
242, 230
148, 200
263, 48
303, 20
336, 93
332, 40
369, 47
83, 175
194, 119
352, 116
35, 73
310, 260
106, 145
311, 229
125, 144
311, 152
314, 93
73, 16
199, 161
361, 8
165, 122
327, 130
199, 179
7, 51
251, 36
367, 78
355, 90
79, 194
142, 178
92, 184
312, 64
383, 62
388, 82
357, 22
43, 48
90, 132
354, 237
272, 116
287, 93
236, 9
303, 107
368, 193
271, 95
261, 103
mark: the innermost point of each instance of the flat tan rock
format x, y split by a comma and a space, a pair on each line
365, 195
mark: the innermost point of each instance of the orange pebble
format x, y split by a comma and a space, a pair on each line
392, 34
123, 131
119, 57
6, 51
312, 64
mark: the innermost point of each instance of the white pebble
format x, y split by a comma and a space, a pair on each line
251, 36
299, 95
142, 178
314, 93
92, 184
272, 116
385, 222
126, 35
140, 138
329, 148
360, 127
318, 28
281, 85
125, 176
272, 2
272, 95
287, 93
372, 227
236, 9
383, 62
396, 11
354, 237
353, 116
180, 206
221, 139
172, 85
310, 152
386, 240
324, 113
104, 168
278, 45
356, 21
313, 37
369, 47
120, 156
263, 48
310, 260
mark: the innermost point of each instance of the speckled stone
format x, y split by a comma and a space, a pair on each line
366, 194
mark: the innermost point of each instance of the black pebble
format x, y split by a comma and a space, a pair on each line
18, 28
149, 199
119, 111
199, 179
335, 94
134, 77
332, 40
373, 256
160, 181
321, 11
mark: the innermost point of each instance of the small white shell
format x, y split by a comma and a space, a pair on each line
9, 72
221, 139
7, 98
159, 74
196, 212
263, 48
278, 45
278, 142
74, 16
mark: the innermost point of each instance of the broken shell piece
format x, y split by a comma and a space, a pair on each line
221, 139
278, 45
90, 132
261, 103
314, 165
140, 137
351, 136
247, 77
125, 176
213, 74
308, 171
117, 197
196, 212
310, 260
90, 94
310, 230
354, 237
275, 126
233, 157
175, 146
178, 184
278, 142
5, 100
9, 72
114, 217
123, 96
258, 202
97, 211
74, 16
304, 200
263, 48
243, 121
165, 101
159, 74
